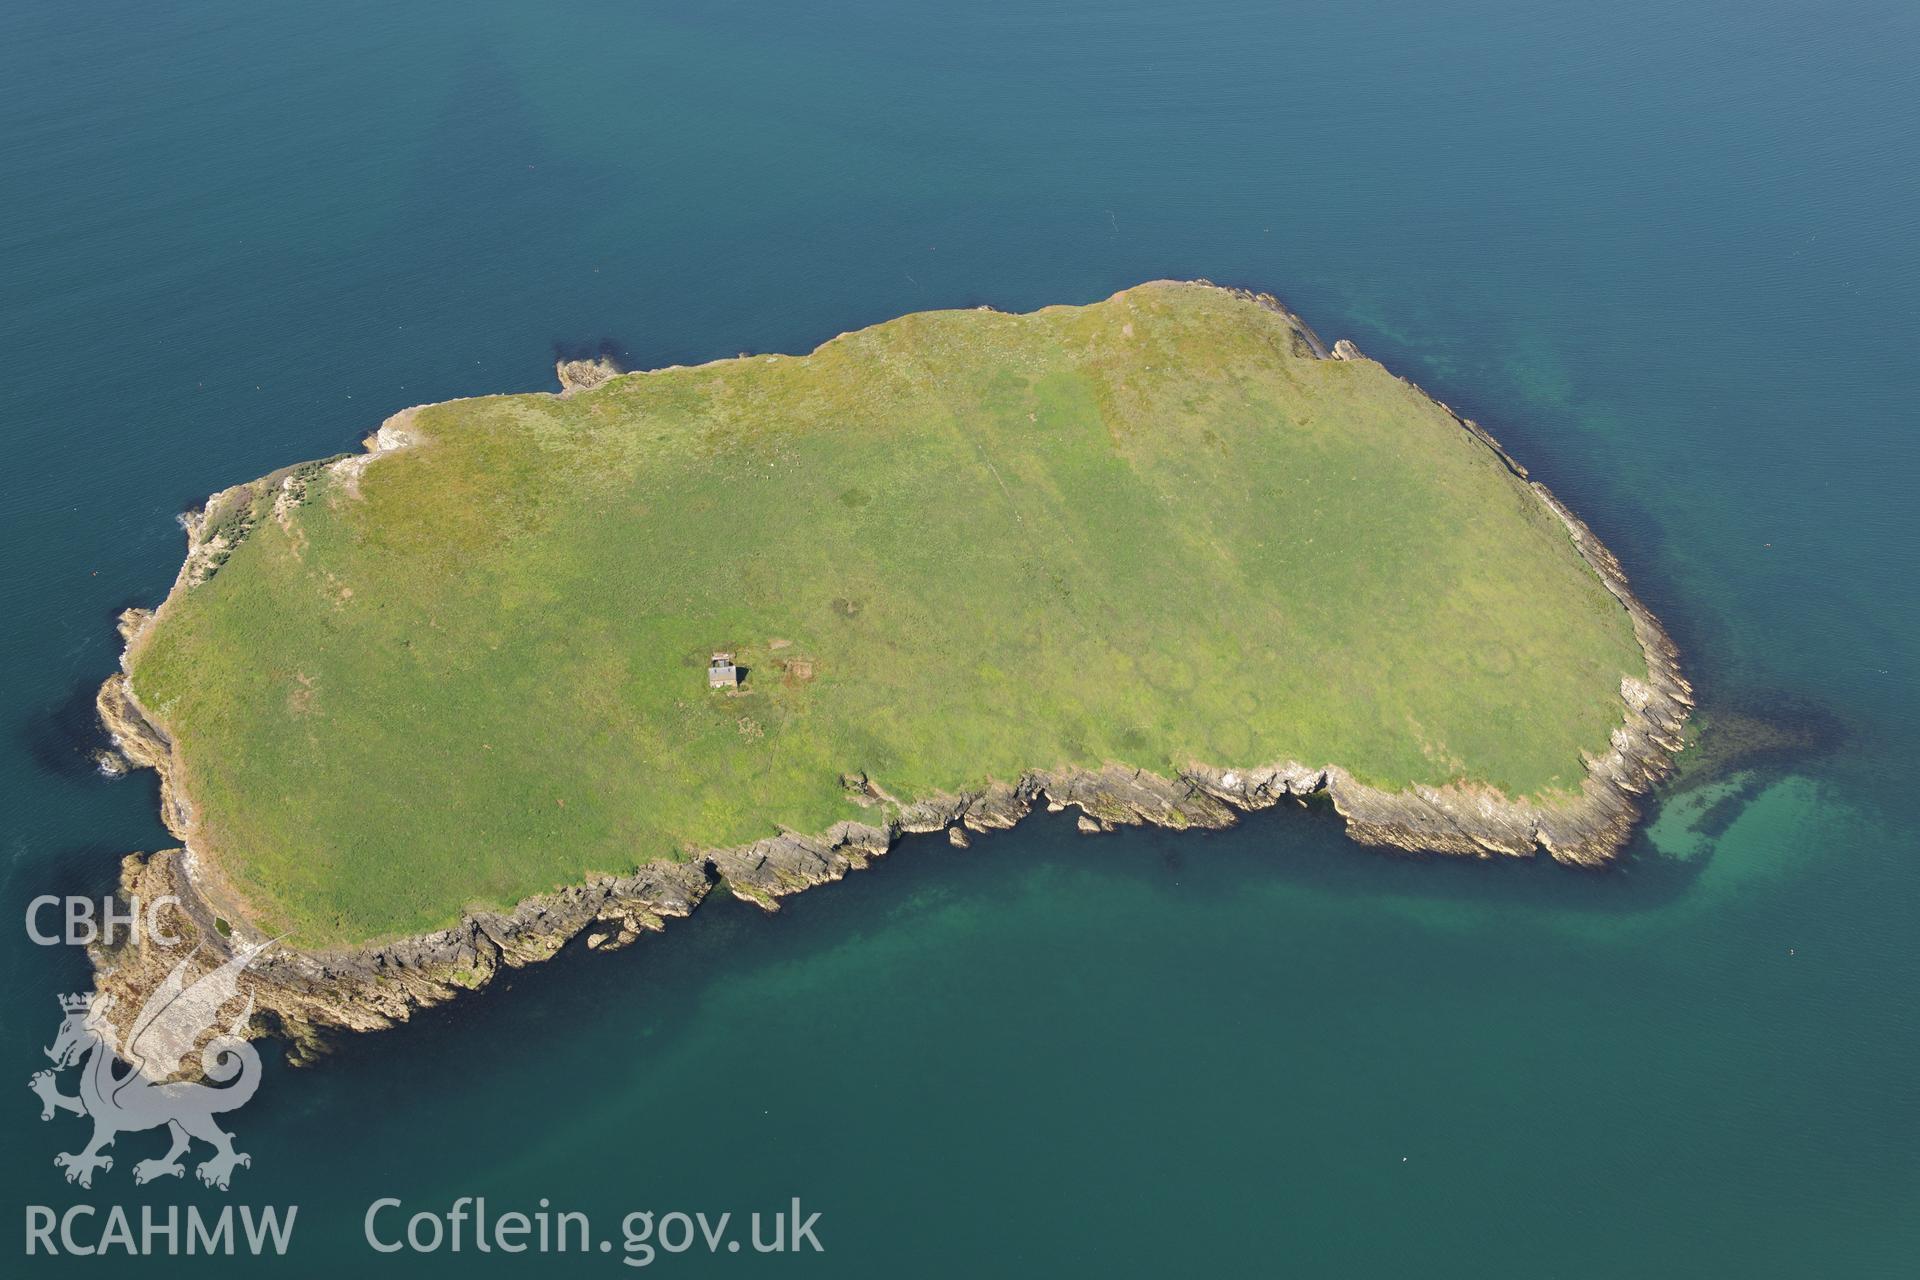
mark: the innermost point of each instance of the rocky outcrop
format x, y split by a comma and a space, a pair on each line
584, 375
768, 870
307, 997
142, 746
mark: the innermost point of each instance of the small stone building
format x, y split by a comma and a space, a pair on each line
721, 673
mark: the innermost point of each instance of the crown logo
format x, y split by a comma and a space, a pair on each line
76, 1003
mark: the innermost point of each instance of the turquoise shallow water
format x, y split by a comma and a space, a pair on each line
1665, 252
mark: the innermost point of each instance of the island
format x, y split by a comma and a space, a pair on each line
543, 667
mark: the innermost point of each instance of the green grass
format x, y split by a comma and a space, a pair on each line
1147, 530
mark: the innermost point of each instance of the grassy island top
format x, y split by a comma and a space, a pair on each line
952, 547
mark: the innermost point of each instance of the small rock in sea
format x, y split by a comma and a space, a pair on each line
110, 763
957, 836
1089, 826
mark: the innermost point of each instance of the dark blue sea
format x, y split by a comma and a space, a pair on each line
1669, 253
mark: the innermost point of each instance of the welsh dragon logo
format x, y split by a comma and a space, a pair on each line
173, 1019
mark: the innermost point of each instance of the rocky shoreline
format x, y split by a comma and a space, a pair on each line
306, 998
